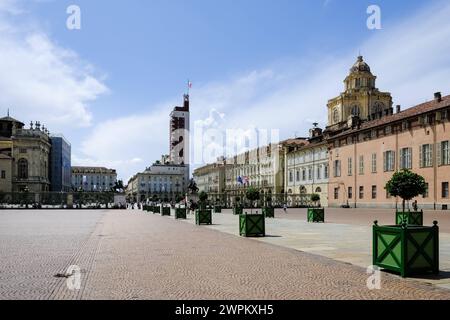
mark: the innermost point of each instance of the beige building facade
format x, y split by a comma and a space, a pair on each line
165, 181
24, 157
93, 179
307, 168
366, 150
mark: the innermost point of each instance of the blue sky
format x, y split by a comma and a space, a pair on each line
254, 63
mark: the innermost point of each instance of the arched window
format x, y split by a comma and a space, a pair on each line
318, 190
356, 111
302, 189
336, 116
377, 107
23, 169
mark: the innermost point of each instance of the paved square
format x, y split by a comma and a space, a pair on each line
136, 255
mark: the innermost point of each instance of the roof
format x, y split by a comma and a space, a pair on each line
76, 169
9, 119
420, 109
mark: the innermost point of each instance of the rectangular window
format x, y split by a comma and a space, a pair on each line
361, 165
444, 153
336, 193
361, 192
406, 158
291, 179
426, 156
389, 161
374, 192
350, 192
374, 163
444, 189
319, 173
310, 172
3, 174
337, 168
326, 174
350, 165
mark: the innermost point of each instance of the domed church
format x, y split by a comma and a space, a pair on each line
361, 99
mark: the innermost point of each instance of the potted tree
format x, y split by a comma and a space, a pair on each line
203, 215
252, 225
237, 207
407, 185
316, 213
407, 247
268, 209
217, 206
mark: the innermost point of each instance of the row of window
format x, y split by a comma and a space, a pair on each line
374, 192
321, 172
426, 160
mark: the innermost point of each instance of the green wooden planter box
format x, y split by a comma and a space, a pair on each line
269, 212
252, 225
180, 213
407, 250
217, 209
316, 215
165, 211
410, 218
156, 209
238, 211
203, 216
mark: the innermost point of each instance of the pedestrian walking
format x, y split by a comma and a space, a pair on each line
285, 208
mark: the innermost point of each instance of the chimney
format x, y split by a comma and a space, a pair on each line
399, 108
437, 97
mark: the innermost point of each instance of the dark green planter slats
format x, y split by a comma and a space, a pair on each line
203, 217
407, 250
269, 212
217, 209
410, 218
156, 209
252, 225
165, 211
237, 211
180, 213
316, 215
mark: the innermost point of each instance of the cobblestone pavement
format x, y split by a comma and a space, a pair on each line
366, 217
135, 255
350, 242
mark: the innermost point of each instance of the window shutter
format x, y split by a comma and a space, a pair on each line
400, 159
439, 153
384, 161
421, 156
432, 155
410, 161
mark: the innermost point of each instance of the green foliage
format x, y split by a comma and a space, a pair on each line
238, 199
203, 196
315, 197
252, 194
406, 185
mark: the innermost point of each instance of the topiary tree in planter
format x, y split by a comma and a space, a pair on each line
315, 198
406, 185
252, 195
203, 197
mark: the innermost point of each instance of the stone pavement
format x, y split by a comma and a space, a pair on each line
136, 255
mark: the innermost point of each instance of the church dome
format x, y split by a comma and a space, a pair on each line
360, 66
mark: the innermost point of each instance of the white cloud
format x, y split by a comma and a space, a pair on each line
40, 80
409, 57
